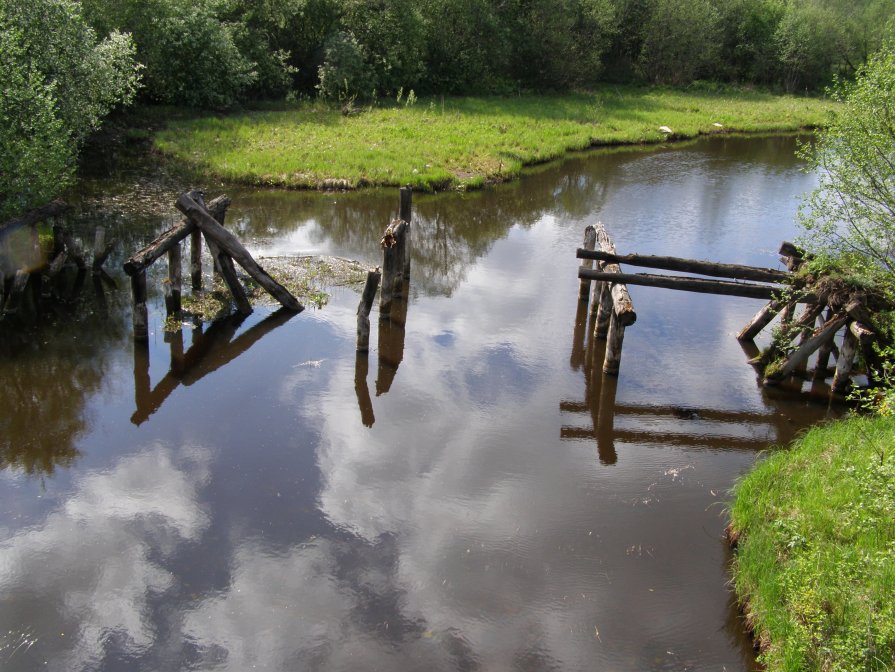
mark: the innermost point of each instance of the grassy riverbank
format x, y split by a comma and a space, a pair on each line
815, 562
441, 143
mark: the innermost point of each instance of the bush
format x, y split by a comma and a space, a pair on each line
55, 92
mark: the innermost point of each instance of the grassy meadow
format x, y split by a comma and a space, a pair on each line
815, 560
435, 144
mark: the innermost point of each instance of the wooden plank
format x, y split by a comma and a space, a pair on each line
229, 243
841, 379
735, 271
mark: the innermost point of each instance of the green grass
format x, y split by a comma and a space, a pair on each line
438, 143
815, 560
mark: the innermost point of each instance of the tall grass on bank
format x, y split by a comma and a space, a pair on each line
815, 561
441, 143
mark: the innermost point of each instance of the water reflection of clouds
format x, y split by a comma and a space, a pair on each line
84, 578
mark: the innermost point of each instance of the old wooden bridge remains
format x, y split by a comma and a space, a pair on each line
815, 330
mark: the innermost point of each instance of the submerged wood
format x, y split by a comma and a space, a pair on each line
364, 308
229, 243
216, 207
590, 241
735, 271
698, 285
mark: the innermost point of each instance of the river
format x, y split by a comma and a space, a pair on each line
473, 495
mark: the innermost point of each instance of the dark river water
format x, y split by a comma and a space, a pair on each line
473, 495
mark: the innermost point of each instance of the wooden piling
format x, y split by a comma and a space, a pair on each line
174, 286
823, 353
196, 260
604, 311
590, 241
614, 340
841, 379
406, 213
390, 270
364, 308
141, 314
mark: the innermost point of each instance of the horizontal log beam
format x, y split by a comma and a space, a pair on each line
698, 285
735, 271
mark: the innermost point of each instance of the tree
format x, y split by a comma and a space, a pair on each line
851, 214
681, 41
55, 92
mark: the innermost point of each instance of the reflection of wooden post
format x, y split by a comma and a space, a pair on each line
142, 387
176, 341
590, 240
405, 216
391, 352
364, 402
141, 314
576, 359
174, 286
196, 259
364, 308
606, 423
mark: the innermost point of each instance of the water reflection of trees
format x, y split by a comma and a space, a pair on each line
49, 375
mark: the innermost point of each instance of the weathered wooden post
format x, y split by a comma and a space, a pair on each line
141, 314
841, 379
823, 353
390, 270
174, 286
604, 310
590, 241
364, 308
406, 212
196, 258
36, 266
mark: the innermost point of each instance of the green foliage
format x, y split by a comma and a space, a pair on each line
815, 563
852, 212
190, 54
55, 92
345, 73
681, 41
